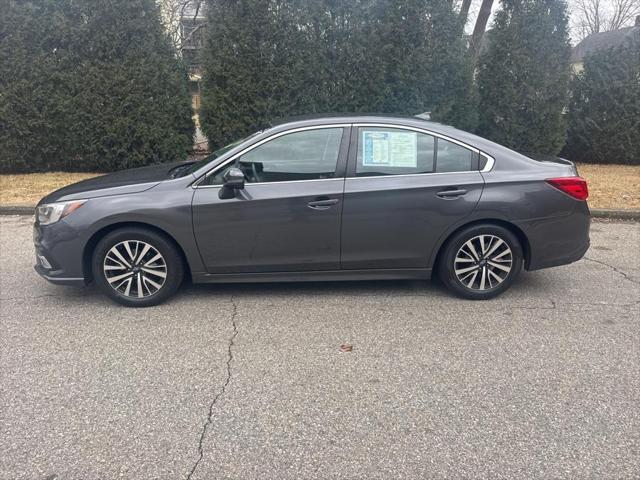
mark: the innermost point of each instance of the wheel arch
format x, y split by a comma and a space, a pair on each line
90, 246
517, 231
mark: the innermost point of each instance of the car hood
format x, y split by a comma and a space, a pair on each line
126, 181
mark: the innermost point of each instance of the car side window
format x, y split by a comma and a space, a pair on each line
306, 155
393, 151
452, 157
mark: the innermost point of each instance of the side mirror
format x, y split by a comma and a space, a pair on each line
233, 179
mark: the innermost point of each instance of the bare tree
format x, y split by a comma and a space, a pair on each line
593, 16
587, 14
173, 14
481, 25
624, 13
464, 10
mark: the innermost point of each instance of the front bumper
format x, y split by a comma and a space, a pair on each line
58, 252
53, 277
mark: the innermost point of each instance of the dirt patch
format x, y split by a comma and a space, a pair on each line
31, 187
612, 186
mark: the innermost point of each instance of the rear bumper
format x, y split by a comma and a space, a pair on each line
566, 258
558, 240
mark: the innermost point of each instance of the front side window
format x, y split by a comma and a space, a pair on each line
306, 155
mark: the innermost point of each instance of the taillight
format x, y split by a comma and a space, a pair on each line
575, 187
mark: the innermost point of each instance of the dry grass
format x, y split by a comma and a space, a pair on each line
31, 187
610, 186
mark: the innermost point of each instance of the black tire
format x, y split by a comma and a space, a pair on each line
447, 263
173, 268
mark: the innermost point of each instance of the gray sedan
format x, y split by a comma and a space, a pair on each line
339, 198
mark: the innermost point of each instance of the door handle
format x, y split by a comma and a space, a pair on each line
451, 193
322, 203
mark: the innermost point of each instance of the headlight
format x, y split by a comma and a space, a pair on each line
52, 212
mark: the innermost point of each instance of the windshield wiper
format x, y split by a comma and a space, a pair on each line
176, 172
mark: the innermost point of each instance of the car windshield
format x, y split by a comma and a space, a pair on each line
189, 168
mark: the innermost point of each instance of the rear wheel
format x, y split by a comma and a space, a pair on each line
137, 267
481, 262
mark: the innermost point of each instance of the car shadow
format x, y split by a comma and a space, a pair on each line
428, 289
348, 288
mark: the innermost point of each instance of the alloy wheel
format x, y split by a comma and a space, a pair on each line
135, 269
483, 262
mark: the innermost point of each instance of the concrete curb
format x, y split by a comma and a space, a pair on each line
21, 209
24, 209
616, 214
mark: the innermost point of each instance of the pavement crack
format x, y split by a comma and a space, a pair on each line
615, 269
209, 420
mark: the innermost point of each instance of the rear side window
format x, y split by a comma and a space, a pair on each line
396, 151
451, 157
393, 151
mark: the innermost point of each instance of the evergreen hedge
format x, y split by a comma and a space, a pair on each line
267, 59
89, 85
604, 111
523, 77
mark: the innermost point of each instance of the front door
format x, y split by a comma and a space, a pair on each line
287, 218
404, 189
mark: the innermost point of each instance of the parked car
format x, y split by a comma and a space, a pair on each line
339, 198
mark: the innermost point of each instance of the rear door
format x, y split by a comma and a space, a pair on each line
404, 187
287, 218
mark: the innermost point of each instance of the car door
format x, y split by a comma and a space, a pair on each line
287, 217
404, 188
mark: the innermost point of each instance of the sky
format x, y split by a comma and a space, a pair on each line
574, 34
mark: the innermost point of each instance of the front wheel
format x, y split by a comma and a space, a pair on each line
137, 267
481, 262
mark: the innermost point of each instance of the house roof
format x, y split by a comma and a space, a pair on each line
604, 40
591, 44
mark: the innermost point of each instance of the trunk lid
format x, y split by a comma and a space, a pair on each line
550, 160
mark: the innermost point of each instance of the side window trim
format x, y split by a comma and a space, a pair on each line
353, 152
351, 167
485, 165
343, 153
340, 166
435, 154
475, 163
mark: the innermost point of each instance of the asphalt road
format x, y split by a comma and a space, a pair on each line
249, 381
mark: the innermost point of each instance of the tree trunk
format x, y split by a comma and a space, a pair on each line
464, 10
478, 30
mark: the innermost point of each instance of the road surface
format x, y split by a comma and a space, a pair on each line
248, 381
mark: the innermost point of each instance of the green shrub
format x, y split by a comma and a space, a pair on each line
604, 112
523, 78
267, 59
87, 85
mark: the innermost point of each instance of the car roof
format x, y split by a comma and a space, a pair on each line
320, 119
327, 119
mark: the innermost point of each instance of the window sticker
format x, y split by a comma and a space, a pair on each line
389, 149
404, 149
